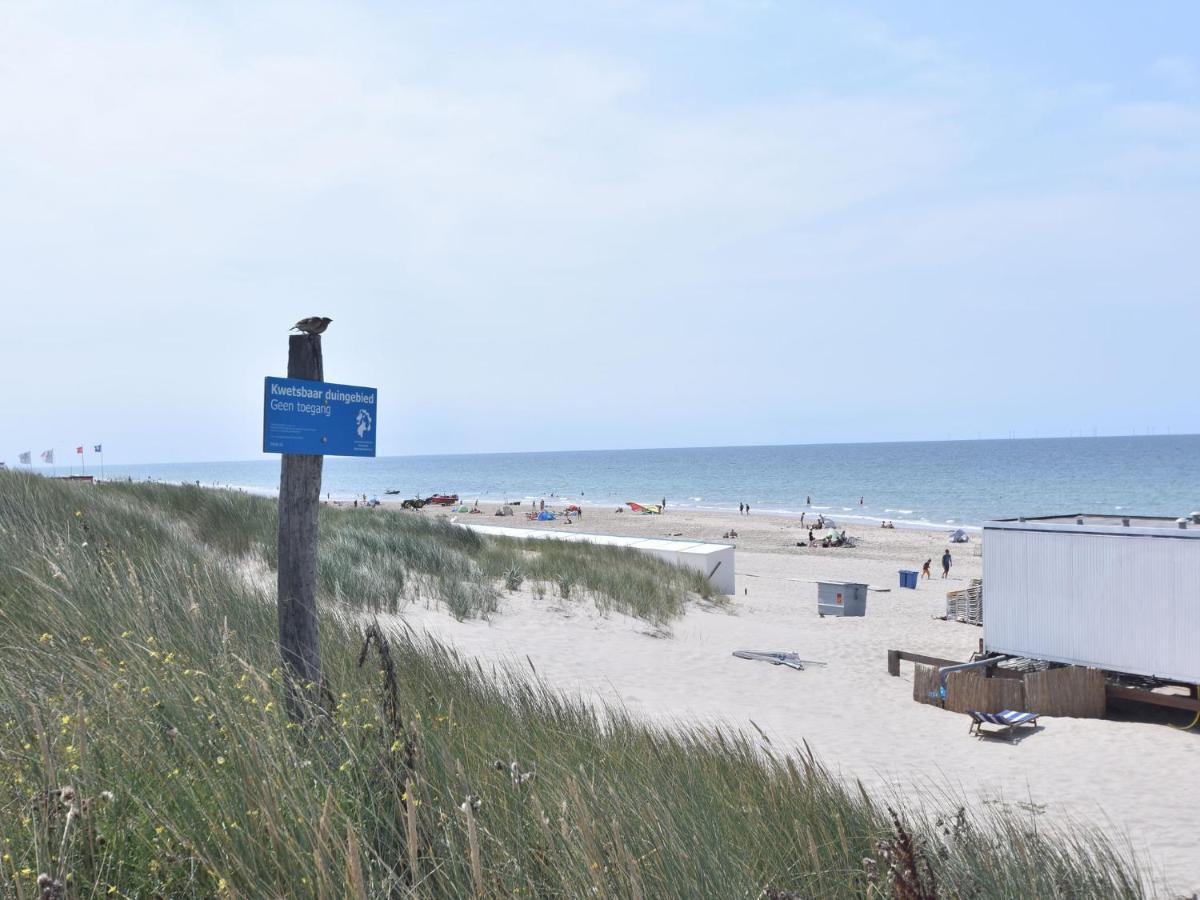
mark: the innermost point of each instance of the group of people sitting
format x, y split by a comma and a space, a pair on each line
730, 534
830, 540
887, 524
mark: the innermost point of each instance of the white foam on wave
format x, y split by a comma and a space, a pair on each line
903, 512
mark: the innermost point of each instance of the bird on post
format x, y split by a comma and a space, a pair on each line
312, 325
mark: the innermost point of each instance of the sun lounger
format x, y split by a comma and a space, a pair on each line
1008, 720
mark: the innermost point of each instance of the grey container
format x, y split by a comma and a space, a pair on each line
841, 598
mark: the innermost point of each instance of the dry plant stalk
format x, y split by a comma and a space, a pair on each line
410, 825
473, 842
911, 874
354, 873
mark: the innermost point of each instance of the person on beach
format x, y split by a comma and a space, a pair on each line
810, 537
802, 515
747, 509
664, 504
741, 508
925, 569
946, 561
808, 501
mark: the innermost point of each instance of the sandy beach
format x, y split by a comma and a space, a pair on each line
1123, 777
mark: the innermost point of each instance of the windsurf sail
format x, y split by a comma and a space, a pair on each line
646, 509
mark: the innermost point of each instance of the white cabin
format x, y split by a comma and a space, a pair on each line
1109, 592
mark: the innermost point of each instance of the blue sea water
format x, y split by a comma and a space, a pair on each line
943, 483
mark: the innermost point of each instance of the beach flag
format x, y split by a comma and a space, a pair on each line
98, 448
79, 449
48, 457
26, 457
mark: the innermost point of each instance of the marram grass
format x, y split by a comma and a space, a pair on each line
379, 560
144, 751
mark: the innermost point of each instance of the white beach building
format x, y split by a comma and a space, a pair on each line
714, 560
1108, 592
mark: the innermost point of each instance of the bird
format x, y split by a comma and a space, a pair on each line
312, 325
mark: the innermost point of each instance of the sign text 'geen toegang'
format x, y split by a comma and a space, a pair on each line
318, 417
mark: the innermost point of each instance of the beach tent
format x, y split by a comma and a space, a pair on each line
545, 516
959, 537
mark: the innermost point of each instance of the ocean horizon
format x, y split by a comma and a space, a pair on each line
927, 483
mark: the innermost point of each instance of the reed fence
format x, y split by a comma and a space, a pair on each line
1069, 691
926, 684
971, 690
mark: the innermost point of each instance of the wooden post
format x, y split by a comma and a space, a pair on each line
894, 663
299, 501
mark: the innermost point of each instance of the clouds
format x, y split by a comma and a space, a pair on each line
685, 175
1178, 71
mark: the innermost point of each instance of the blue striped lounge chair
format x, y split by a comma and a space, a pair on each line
1007, 720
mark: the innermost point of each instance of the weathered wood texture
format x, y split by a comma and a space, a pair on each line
1071, 691
895, 657
299, 501
1137, 695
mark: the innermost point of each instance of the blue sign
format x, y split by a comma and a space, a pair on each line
318, 418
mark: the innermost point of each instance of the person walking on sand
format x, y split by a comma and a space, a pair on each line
925, 569
747, 509
664, 506
741, 508
802, 515
946, 561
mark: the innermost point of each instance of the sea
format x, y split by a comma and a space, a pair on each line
941, 484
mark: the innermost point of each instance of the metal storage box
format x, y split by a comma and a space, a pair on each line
841, 598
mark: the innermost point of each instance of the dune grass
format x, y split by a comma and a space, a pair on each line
144, 752
378, 560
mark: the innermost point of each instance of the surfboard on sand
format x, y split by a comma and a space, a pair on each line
778, 658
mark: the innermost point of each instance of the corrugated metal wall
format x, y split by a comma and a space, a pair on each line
1123, 602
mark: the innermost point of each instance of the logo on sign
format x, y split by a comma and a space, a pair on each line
363, 423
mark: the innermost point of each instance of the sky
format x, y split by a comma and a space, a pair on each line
599, 225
